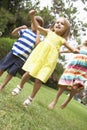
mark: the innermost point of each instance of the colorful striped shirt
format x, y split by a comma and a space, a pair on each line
24, 45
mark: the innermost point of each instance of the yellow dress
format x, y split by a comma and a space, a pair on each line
43, 59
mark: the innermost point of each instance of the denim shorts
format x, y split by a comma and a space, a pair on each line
11, 63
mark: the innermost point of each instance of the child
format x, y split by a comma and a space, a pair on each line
20, 51
74, 76
43, 59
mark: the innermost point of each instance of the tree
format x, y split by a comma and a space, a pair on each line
46, 14
12, 5
5, 18
14, 13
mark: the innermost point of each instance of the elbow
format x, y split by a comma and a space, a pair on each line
12, 33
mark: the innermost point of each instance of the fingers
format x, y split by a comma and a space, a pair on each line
32, 12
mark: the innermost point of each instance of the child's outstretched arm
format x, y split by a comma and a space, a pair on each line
73, 50
35, 23
69, 51
65, 51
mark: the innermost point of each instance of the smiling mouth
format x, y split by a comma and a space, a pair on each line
58, 27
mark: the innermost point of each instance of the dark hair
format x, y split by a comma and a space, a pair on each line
39, 20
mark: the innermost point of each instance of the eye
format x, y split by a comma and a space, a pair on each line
62, 23
58, 22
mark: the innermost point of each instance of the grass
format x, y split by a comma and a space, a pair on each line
13, 116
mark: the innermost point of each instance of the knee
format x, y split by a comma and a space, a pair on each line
26, 75
38, 81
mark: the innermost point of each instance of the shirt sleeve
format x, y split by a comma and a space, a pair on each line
20, 32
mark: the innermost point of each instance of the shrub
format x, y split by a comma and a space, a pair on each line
5, 46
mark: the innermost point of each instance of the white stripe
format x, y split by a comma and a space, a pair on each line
21, 52
23, 45
30, 37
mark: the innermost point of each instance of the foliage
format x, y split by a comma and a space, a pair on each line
5, 46
12, 5
67, 9
5, 19
13, 116
46, 14
16, 14
20, 13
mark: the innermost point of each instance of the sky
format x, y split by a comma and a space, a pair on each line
44, 3
78, 4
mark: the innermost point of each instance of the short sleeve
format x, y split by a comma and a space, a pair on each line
20, 32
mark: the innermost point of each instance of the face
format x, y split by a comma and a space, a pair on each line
60, 26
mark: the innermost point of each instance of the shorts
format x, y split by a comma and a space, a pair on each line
11, 63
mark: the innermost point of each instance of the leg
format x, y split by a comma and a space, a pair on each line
72, 93
24, 79
1, 72
54, 102
7, 79
36, 88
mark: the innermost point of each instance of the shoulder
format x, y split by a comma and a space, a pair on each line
22, 30
63, 40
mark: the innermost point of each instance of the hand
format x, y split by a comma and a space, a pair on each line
24, 27
76, 51
32, 12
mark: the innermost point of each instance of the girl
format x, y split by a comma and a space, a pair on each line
42, 62
74, 76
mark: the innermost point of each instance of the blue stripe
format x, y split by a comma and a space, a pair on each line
79, 63
30, 33
25, 44
27, 38
23, 50
72, 77
19, 55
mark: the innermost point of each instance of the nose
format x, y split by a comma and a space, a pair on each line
59, 23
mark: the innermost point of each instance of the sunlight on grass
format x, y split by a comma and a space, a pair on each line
13, 115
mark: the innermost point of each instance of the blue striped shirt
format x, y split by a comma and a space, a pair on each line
24, 45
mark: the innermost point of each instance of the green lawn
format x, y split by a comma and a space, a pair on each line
13, 116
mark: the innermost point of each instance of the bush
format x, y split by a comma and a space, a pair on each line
5, 46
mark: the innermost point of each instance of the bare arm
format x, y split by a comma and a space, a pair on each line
15, 31
65, 51
37, 38
35, 23
73, 50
